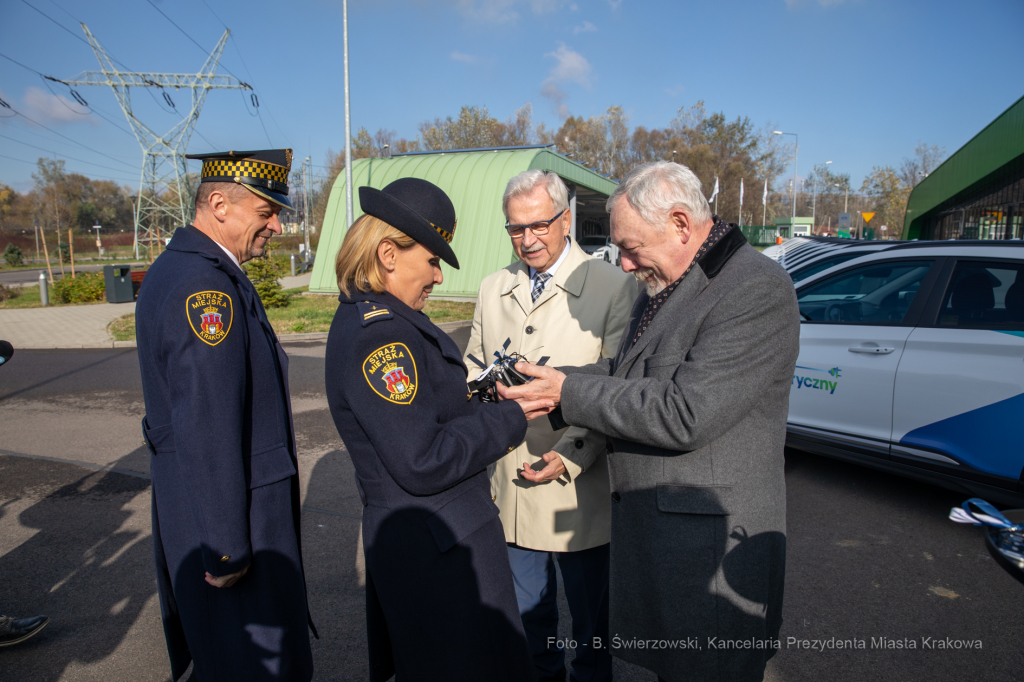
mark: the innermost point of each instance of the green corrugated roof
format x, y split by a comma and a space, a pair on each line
999, 143
475, 181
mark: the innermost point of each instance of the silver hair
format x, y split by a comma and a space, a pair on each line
527, 181
654, 189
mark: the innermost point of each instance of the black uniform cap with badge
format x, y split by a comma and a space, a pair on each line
263, 172
418, 208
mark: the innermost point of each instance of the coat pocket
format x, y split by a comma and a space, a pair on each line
270, 466
461, 517
713, 500
670, 360
159, 440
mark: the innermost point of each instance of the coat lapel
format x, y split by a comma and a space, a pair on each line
519, 287
688, 289
707, 267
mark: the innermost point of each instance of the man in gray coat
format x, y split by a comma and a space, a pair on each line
694, 405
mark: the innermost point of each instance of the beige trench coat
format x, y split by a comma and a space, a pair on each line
578, 320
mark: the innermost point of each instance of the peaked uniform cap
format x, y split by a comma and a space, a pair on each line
263, 172
418, 208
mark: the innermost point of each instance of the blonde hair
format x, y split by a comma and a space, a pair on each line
357, 266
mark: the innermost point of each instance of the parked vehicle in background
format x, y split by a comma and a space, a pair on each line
912, 362
806, 256
600, 246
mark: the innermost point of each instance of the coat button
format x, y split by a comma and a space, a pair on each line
578, 443
511, 448
493, 498
225, 558
529, 330
616, 497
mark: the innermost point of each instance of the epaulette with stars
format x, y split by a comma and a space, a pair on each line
372, 312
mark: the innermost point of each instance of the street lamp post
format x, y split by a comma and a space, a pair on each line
99, 244
796, 160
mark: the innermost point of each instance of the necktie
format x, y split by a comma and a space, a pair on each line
538, 287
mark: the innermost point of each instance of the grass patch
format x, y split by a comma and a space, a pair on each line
309, 314
28, 297
123, 328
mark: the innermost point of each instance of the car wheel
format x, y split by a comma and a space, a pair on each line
607, 258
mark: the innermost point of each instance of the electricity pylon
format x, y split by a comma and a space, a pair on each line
164, 168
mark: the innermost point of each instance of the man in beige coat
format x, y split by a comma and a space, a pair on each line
552, 491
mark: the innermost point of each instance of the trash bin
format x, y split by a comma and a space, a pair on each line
118, 279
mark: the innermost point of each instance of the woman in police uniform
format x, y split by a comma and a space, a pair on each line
440, 603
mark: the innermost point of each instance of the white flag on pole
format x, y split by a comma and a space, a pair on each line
764, 197
715, 192
741, 192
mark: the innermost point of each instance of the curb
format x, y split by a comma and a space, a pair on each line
283, 338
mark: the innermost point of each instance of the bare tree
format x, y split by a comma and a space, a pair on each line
926, 159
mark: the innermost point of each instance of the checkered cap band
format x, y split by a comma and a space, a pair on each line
224, 170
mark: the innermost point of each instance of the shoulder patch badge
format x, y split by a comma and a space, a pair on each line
210, 314
391, 373
372, 312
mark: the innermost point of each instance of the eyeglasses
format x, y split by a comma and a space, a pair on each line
538, 229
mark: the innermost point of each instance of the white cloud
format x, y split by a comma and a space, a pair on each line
571, 67
587, 27
615, 3
675, 90
465, 58
55, 108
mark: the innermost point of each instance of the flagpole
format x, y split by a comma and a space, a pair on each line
764, 203
716, 195
741, 202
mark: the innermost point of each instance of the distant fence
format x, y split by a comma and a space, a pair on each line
764, 235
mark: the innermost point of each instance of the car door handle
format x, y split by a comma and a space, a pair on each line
871, 350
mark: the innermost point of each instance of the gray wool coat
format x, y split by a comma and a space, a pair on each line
695, 413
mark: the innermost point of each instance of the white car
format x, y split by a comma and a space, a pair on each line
806, 256
912, 361
600, 246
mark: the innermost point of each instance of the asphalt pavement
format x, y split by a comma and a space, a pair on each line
872, 560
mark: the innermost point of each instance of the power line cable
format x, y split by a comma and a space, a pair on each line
90, 175
73, 92
254, 95
67, 138
50, 151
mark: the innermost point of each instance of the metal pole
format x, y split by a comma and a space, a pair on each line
348, 124
44, 293
796, 161
306, 205
35, 224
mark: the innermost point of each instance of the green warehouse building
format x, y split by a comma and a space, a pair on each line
475, 179
978, 192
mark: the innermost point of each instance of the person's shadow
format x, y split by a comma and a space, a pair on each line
88, 565
682, 606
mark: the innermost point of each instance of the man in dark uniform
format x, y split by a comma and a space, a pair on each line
218, 424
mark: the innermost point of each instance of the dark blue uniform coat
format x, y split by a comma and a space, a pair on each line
440, 603
225, 487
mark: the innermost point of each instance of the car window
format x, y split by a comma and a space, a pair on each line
880, 293
823, 264
984, 295
593, 241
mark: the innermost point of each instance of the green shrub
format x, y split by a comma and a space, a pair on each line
65, 253
85, 288
263, 273
13, 255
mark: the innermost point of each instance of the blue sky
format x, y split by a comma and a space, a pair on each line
861, 81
